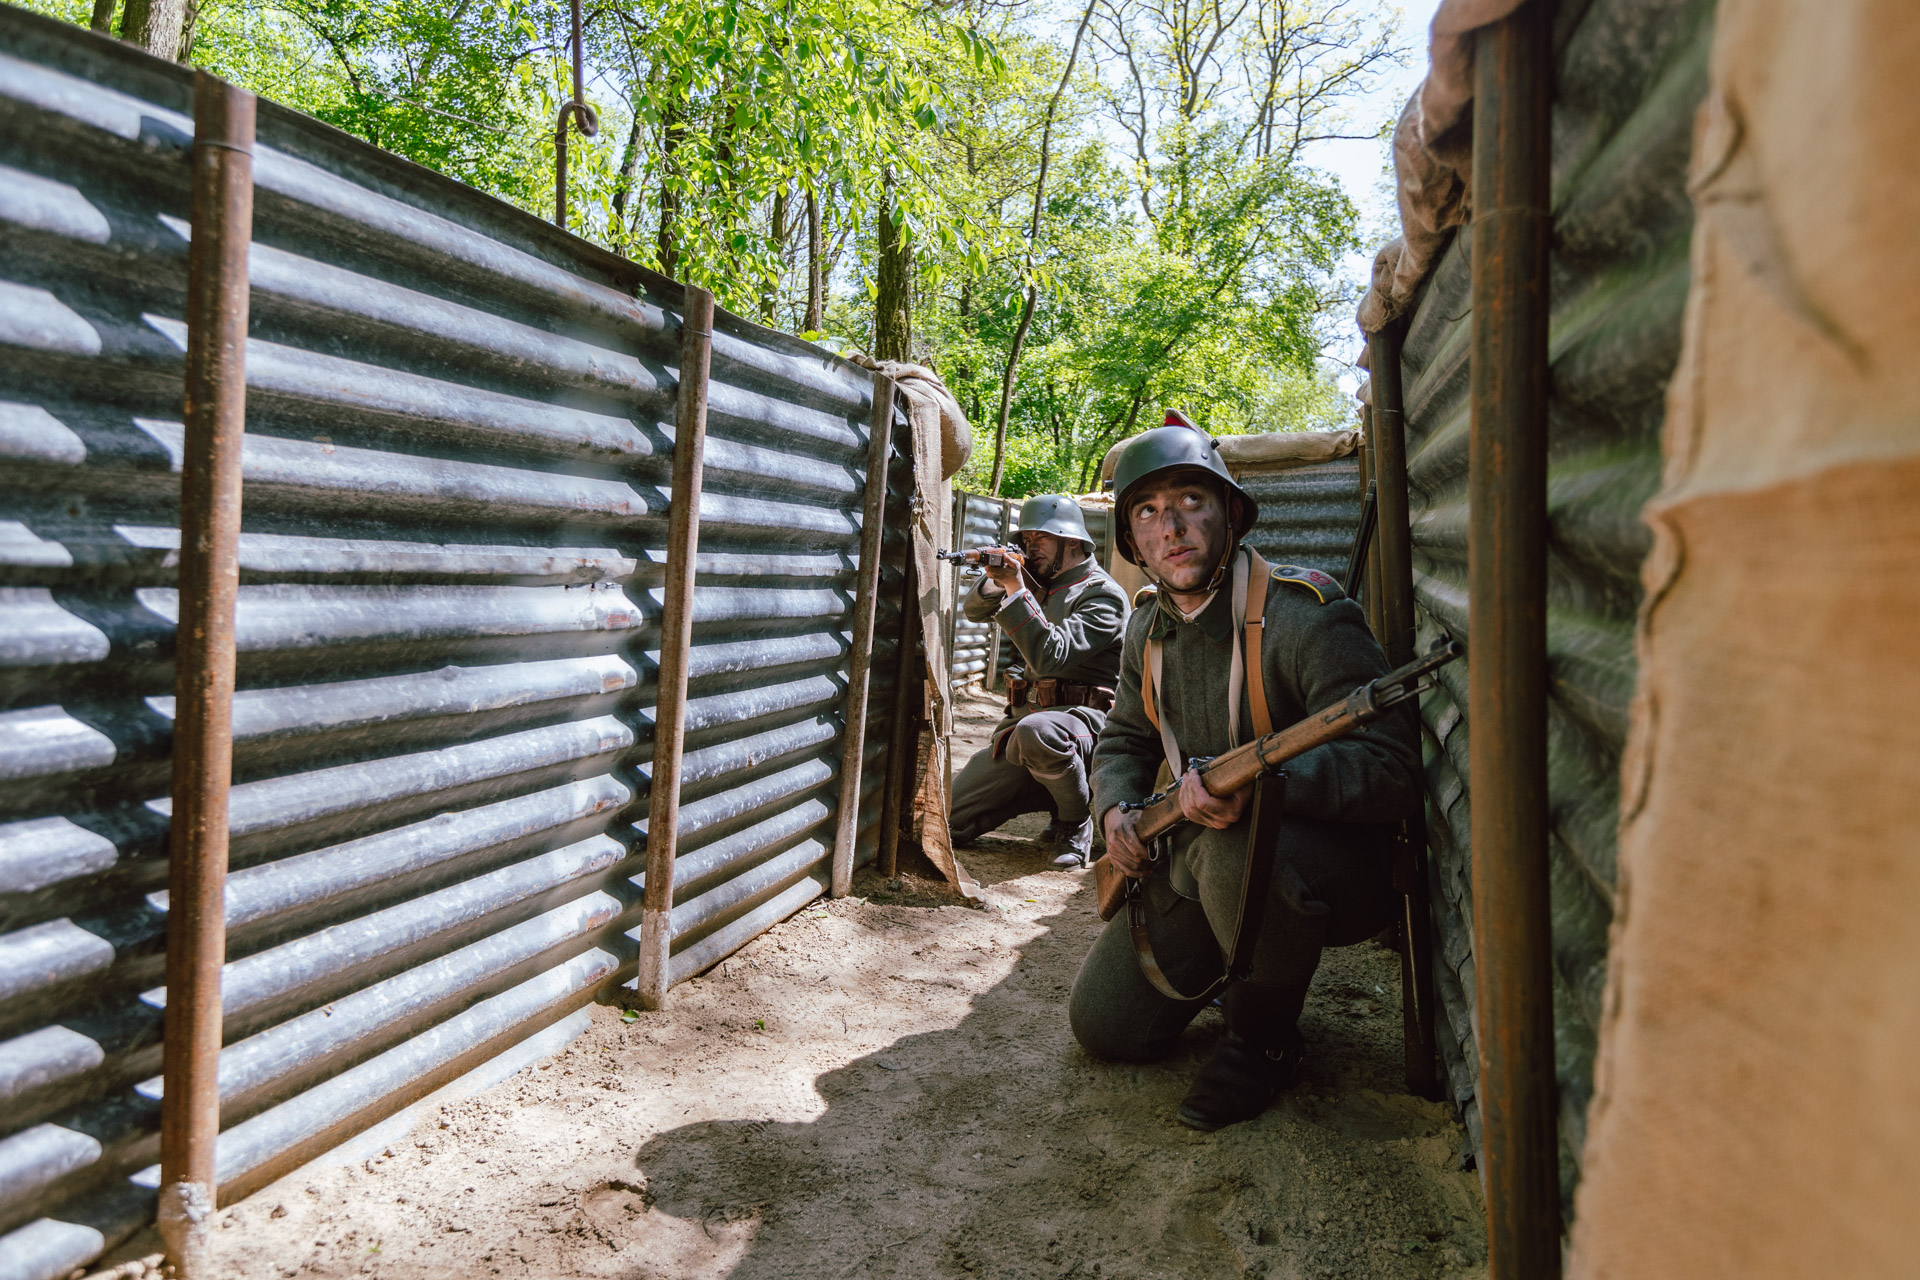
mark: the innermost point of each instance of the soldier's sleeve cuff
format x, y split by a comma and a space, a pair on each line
1016, 608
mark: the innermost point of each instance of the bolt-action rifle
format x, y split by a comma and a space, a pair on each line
995, 558
1239, 768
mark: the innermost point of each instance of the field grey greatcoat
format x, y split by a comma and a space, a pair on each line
1038, 759
1331, 882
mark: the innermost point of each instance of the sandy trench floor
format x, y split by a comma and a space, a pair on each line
885, 1085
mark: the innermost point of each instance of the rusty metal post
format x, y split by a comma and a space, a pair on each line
216, 418
1393, 520
676, 639
994, 636
853, 738
1370, 563
903, 740
1507, 695
1362, 549
958, 534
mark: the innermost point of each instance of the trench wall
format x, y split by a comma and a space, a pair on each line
1630, 74
1308, 515
460, 431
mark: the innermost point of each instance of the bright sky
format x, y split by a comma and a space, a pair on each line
1363, 167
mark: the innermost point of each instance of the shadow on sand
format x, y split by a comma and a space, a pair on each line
996, 1148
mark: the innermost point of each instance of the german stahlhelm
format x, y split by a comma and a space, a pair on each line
1057, 514
1167, 449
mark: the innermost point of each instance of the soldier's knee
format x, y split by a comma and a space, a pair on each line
1107, 1022
1036, 744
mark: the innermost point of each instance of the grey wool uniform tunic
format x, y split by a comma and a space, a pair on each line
1331, 883
1072, 632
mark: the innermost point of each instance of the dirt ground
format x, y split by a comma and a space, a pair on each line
885, 1086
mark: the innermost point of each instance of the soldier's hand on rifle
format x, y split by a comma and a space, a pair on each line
1123, 846
1209, 810
1007, 576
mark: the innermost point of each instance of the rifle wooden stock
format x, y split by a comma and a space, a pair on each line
1237, 769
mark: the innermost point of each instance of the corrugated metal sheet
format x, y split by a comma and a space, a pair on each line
1308, 514
981, 522
460, 429
1631, 73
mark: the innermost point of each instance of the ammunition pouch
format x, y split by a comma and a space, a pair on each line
1052, 692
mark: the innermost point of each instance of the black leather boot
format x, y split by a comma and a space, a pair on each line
1238, 1082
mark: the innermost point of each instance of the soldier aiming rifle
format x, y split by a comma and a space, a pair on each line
1064, 616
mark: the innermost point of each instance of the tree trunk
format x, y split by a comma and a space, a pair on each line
963, 372
816, 272
103, 15
892, 309
1026, 262
156, 26
668, 255
623, 186
1006, 390
187, 27
770, 292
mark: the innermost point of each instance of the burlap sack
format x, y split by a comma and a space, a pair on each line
1757, 1105
939, 428
1432, 160
1264, 452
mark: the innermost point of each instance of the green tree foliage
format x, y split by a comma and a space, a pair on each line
1184, 254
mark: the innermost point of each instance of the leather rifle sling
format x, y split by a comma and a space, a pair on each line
1256, 881
1257, 877
1253, 644
1251, 651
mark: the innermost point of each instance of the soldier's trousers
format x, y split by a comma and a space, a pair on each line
1332, 886
1039, 766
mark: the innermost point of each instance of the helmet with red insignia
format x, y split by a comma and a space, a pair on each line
1179, 445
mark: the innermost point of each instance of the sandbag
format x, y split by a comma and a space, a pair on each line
1264, 452
924, 389
1757, 1108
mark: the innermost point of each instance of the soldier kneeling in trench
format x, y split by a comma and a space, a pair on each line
1180, 517
1058, 693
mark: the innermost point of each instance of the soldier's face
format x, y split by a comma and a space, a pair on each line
1043, 553
1180, 531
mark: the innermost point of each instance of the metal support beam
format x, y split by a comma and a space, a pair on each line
676, 638
1395, 538
216, 418
903, 738
1370, 557
853, 738
1507, 695
995, 637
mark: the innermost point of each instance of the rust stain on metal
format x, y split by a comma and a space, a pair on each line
210, 482
1507, 698
676, 639
853, 738
1394, 538
903, 740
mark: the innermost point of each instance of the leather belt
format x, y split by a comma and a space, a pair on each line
1053, 692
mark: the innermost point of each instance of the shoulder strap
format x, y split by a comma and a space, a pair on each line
1149, 659
1255, 645
1150, 675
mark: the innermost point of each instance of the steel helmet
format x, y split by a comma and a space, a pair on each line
1172, 448
1054, 513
